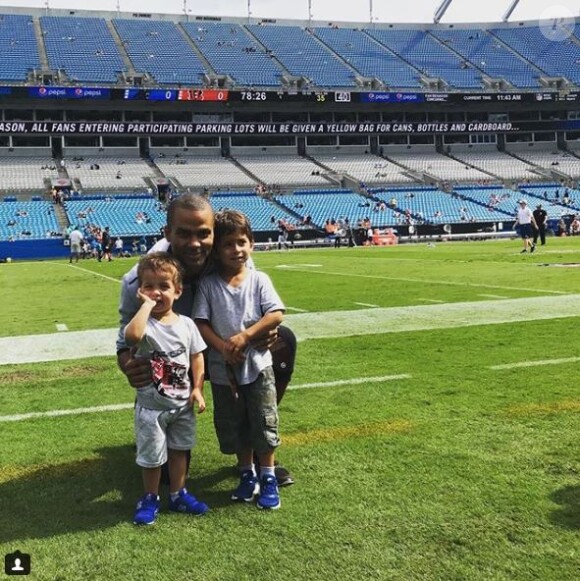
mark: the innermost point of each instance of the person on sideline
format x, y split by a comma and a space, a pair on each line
541, 218
164, 416
232, 306
525, 220
189, 239
75, 239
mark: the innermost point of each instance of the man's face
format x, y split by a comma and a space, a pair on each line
191, 238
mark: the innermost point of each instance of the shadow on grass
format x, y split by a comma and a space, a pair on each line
568, 516
87, 495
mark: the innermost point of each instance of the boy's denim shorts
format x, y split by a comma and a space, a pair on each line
156, 431
251, 421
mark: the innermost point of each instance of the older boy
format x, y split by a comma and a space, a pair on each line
234, 305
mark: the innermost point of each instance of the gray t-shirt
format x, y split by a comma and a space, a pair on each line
168, 348
229, 311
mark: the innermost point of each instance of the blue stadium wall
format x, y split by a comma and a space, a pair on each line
33, 249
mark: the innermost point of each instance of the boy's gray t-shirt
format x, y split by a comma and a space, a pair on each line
169, 349
229, 311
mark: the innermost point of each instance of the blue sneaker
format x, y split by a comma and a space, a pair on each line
269, 497
187, 503
147, 509
247, 488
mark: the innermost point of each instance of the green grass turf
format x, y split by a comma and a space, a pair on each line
457, 472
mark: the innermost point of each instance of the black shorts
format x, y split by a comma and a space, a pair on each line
284, 354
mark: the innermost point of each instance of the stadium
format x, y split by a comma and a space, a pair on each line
431, 423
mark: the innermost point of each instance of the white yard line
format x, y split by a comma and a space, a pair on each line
357, 381
535, 363
431, 300
296, 309
367, 305
61, 327
69, 265
128, 406
492, 296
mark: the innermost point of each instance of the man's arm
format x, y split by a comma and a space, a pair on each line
137, 370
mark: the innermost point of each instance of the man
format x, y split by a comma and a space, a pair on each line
525, 220
541, 218
75, 239
106, 244
189, 238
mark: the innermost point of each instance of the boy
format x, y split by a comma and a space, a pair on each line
164, 418
232, 306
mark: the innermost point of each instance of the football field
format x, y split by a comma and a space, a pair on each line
431, 425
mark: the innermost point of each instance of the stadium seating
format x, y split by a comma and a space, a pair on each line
26, 173
231, 51
83, 47
18, 47
283, 170
497, 163
369, 57
204, 172
27, 220
432, 58
552, 159
547, 47
439, 166
368, 169
336, 204
120, 213
113, 173
264, 214
304, 55
492, 57
160, 49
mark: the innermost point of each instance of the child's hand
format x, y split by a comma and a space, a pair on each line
197, 396
145, 299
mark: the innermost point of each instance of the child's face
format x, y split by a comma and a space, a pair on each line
160, 287
234, 250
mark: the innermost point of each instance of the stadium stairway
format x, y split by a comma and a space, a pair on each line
61, 216
196, 50
40, 43
267, 50
492, 175
330, 175
245, 170
130, 69
420, 74
497, 39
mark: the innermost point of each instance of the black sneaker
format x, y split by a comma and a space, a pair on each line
523, 251
533, 248
283, 477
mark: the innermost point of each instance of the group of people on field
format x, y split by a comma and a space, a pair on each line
195, 308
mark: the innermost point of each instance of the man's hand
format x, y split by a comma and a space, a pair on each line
137, 369
265, 341
234, 347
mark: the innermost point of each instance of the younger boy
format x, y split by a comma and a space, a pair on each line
164, 418
232, 306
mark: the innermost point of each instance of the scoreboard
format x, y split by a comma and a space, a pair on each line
322, 97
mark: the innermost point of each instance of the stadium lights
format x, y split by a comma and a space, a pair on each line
510, 10
440, 12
